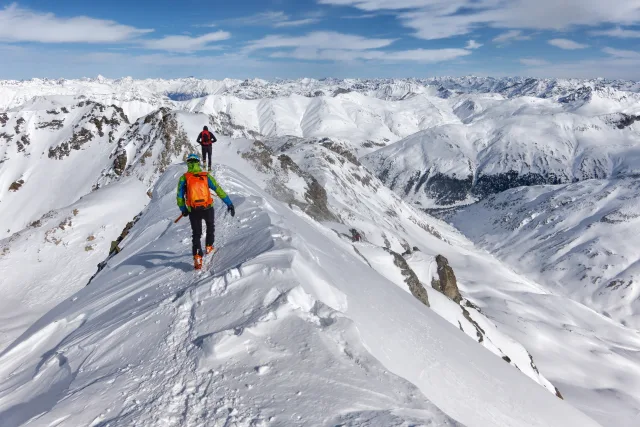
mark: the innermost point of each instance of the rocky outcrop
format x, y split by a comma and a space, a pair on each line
410, 278
78, 139
446, 282
53, 124
340, 149
15, 186
283, 169
17, 128
223, 124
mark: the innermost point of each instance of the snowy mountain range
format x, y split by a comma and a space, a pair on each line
528, 295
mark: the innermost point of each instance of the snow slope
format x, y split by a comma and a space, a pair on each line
366, 122
151, 342
307, 165
16, 92
52, 154
578, 238
76, 237
505, 144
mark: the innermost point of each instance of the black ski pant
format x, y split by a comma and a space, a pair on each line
196, 217
206, 152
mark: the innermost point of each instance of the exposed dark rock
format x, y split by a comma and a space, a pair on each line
447, 283
64, 110
622, 121
121, 113
120, 163
371, 144
340, 91
3, 119
24, 140
341, 150
18, 125
617, 284
15, 186
480, 333
315, 197
223, 124
53, 124
53, 112
115, 247
98, 124
410, 278
261, 156
582, 94
76, 142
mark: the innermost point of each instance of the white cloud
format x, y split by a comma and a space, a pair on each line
276, 19
567, 44
296, 23
472, 44
415, 55
186, 43
433, 19
622, 54
363, 16
320, 40
618, 32
24, 25
533, 62
509, 36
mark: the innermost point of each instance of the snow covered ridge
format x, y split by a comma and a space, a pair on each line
318, 174
503, 144
391, 89
583, 235
271, 333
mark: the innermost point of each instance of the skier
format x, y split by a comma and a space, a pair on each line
206, 139
195, 201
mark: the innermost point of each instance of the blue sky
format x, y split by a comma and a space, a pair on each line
319, 38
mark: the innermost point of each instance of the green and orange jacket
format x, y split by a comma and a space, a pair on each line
213, 185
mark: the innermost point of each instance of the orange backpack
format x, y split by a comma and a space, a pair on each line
198, 194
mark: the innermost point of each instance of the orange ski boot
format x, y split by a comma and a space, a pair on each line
210, 249
197, 262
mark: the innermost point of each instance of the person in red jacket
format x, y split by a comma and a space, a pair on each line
206, 139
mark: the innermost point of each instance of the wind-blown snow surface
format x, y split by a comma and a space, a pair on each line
271, 333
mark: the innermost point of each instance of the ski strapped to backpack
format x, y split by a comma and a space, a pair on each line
198, 194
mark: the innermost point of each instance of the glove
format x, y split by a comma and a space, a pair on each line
231, 210
185, 212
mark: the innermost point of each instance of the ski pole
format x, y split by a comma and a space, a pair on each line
178, 219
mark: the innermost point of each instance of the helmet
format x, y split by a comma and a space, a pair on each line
193, 158
205, 128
